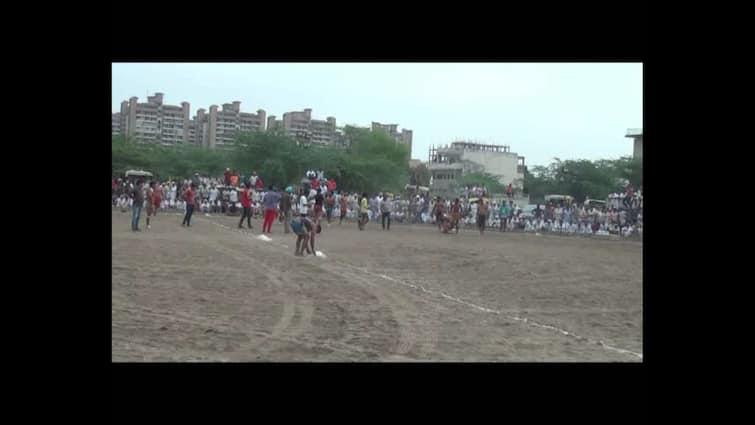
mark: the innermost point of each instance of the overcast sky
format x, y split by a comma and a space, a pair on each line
542, 110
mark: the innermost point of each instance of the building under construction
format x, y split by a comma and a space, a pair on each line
448, 163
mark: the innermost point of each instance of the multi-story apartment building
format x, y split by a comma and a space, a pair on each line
636, 134
404, 136
116, 123
324, 132
300, 125
218, 128
153, 121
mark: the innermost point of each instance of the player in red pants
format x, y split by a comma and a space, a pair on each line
270, 202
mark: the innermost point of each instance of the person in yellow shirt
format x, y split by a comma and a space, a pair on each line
363, 208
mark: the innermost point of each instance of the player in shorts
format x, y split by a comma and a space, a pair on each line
330, 203
455, 214
439, 210
445, 223
363, 208
318, 204
303, 229
343, 202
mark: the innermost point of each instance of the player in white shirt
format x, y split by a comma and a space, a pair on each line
213, 194
123, 203
303, 204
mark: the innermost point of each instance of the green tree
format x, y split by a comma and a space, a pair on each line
420, 176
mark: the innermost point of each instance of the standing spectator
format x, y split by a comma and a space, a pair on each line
343, 200
195, 180
482, 214
303, 203
123, 203
233, 195
330, 203
213, 194
628, 196
202, 192
286, 208
252, 179
227, 177
260, 185
510, 190
246, 203
318, 205
566, 216
386, 207
503, 214
235, 179
538, 213
188, 196
137, 196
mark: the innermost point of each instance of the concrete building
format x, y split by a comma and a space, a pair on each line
218, 128
116, 123
636, 134
153, 121
301, 126
404, 136
448, 163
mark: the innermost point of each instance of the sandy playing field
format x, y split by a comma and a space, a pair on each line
214, 292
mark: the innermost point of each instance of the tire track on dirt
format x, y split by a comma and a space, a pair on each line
288, 309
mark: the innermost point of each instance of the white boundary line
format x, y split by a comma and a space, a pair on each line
467, 303
488, 310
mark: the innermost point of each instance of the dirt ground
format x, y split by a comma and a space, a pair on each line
214, 292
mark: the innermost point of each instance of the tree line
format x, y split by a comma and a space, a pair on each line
582, 178
371, 162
